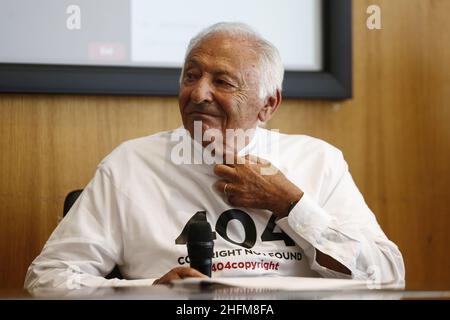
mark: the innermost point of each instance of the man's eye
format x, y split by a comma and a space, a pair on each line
224, 83
189, 76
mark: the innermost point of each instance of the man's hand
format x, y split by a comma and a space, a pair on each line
252, 182
179, 273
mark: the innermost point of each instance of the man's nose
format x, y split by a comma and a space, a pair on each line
202, 92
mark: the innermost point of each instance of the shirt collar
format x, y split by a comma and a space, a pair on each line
248, 149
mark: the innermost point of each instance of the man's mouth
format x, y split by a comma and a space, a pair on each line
202, 114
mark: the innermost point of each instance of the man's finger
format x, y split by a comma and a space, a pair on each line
220, 186
179, 273
256, 159
263, 161
225, 172
189, 273
230, 158
251, 159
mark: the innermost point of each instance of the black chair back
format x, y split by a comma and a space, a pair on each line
71, 197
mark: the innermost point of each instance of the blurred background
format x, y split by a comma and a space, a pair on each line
394, 133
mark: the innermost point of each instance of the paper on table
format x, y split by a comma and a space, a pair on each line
279, 283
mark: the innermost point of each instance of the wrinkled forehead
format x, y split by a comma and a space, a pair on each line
236, 53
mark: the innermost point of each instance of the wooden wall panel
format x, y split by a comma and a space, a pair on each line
394, 133
51, 144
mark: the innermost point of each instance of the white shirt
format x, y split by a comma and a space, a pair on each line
136, 206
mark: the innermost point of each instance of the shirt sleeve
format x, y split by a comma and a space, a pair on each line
86, 244
342, 226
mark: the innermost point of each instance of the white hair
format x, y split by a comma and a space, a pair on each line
271, 70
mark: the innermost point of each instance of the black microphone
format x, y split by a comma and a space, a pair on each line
200, 246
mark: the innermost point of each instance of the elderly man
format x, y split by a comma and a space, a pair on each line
304, 216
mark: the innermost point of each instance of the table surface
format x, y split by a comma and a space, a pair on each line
219, 293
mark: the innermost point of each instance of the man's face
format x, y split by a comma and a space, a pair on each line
220, 85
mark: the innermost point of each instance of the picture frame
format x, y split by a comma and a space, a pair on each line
334, 81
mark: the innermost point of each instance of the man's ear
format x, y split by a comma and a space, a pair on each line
271, 105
